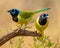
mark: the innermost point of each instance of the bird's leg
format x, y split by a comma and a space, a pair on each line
29, 23
19, 26
42, 34
24, 29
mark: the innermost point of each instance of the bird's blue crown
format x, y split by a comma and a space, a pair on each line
14, 12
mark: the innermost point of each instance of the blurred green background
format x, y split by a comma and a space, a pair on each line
7, 25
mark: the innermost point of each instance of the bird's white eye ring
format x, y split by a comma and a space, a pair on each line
43, 17
13, 12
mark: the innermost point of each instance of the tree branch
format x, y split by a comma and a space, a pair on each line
18, 33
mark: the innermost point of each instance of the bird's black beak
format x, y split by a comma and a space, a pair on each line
8, 11
47, 16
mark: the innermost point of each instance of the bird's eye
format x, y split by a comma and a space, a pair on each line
44, 15
12, 10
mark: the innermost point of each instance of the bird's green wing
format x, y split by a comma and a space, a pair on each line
26, 15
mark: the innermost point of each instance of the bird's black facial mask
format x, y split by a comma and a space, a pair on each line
14, 12
43, 19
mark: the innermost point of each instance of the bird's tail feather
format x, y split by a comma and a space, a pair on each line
45, 9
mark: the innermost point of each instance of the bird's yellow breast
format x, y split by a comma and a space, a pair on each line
23, 20
39, 27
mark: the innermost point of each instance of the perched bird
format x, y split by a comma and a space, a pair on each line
41, 23
23, 17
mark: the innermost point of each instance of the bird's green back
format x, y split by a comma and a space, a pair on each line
26, 15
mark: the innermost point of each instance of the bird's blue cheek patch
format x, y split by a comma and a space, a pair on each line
13, 13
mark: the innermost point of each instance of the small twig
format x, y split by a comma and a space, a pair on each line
17, 32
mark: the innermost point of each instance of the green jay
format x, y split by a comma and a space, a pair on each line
41, 23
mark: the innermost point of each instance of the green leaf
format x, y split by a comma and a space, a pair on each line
50, 44
36, 45
34, 39
20, 42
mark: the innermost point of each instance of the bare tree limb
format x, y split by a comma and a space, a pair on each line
18, 33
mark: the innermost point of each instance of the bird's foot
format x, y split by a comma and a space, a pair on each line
24, 28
